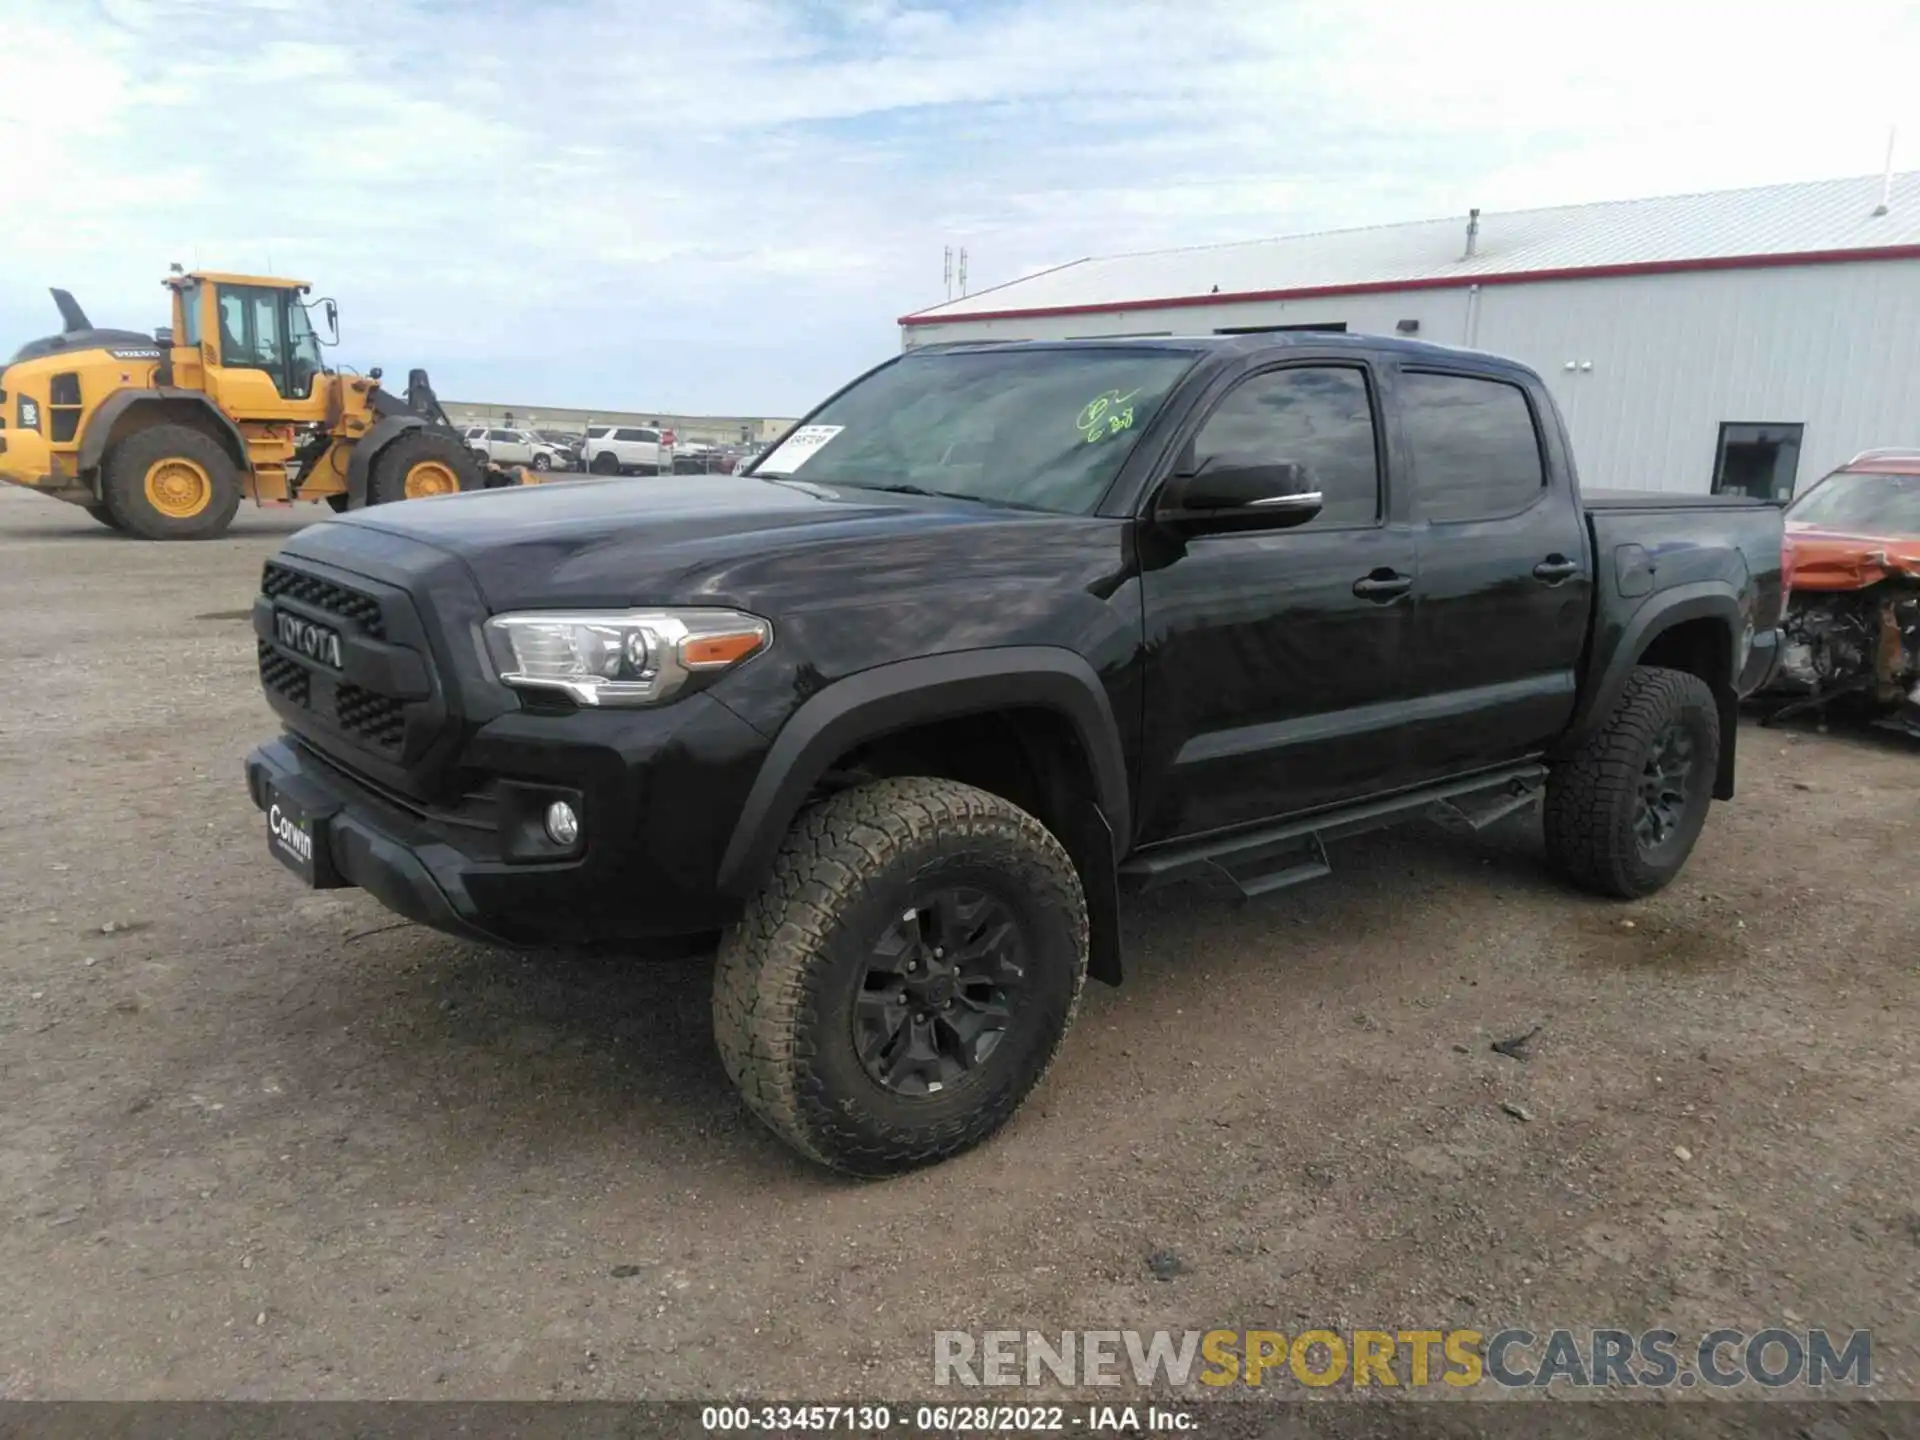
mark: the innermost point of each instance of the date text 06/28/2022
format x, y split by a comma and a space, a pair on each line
947, 1419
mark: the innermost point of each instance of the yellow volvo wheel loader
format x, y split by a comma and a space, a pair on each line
162, 435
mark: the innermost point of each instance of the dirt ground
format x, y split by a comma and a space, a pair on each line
258, 1142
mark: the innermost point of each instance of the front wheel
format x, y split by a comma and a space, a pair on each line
1623, 813
103, 515
420, 464
605, 464
904, 978
542, 462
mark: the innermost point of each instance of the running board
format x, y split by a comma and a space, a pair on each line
1258, 862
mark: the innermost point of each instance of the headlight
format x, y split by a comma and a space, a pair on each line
29, 413
640, 657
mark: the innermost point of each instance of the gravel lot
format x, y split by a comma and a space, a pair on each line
256, 1142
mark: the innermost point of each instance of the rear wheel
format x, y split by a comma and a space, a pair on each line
171, 482
904, 978
419, 465
542, 462
1623, 814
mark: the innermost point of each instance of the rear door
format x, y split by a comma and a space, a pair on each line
1276, 656
1505, 593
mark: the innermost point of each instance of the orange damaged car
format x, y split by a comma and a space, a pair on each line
1852, 632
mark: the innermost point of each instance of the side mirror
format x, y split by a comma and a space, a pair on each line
331, 312
1240, 491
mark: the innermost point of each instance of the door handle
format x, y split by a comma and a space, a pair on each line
1382, 585
1556, 568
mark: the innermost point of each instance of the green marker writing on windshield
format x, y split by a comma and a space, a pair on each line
1106, 415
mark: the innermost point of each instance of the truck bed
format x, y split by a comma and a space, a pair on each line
1669, 500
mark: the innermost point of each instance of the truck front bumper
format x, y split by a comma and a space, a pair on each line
644, 867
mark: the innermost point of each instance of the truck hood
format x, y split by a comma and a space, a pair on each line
711, 539
1844, 560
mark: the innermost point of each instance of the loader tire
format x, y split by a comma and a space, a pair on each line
103, 515
171, 482
421, 464
1623, 813
903, 979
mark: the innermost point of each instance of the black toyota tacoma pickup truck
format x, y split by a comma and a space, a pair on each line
995, 632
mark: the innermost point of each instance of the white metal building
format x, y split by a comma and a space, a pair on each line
1743, 339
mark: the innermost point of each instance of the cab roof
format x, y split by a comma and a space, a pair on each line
223, 277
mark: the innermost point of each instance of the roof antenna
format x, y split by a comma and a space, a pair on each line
1886, 175
1473, 233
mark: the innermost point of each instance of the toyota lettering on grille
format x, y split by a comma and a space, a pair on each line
316, 642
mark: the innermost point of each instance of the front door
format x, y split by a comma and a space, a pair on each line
1276, 658
1506, 587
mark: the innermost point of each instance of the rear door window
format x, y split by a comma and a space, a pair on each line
1474, 446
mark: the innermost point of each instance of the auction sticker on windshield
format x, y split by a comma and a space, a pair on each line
798, 448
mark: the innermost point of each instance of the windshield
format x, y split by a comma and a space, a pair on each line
1878, 504
1042, 429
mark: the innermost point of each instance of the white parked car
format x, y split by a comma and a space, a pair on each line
627, 450
516, 447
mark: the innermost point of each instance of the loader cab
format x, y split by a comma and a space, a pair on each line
250, 342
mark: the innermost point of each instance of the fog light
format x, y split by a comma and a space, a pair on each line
563, 826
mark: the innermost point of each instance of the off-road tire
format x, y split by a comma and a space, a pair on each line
788, 972
1593, 797
339, 504
387, 481
103, 515
125, 489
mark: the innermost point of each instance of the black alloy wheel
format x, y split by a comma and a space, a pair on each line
1666, 789
940, 989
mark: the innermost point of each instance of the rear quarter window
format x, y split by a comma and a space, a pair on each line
1474, 447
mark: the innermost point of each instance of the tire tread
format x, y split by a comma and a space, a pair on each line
764, 1021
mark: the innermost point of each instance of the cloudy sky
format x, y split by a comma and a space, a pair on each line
723, 205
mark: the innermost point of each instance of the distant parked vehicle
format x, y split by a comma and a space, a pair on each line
567, 444
627, 450
700, 460
516, 447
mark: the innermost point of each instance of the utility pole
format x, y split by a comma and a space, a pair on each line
946, 271
963, 272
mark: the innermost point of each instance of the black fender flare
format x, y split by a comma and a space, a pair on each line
367, 448
1702, 600
93, 444
887, 698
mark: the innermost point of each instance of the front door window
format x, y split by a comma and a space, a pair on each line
263, 328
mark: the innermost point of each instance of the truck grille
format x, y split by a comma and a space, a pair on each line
278, 580
336, 700
283, 676
377, 721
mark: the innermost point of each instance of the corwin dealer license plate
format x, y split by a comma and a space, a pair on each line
297, 839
